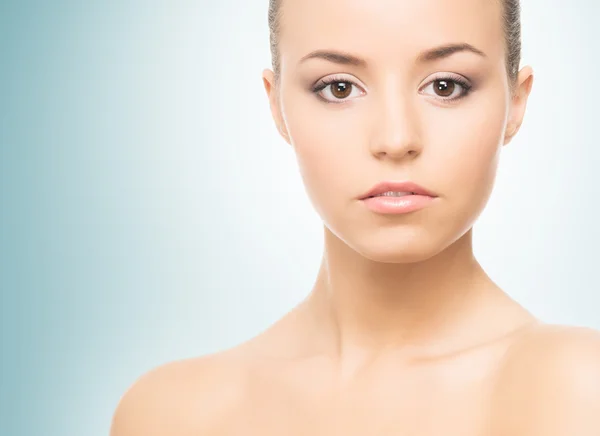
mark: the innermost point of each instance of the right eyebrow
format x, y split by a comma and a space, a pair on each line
337, 57
430, 55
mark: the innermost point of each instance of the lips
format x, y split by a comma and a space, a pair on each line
409, 187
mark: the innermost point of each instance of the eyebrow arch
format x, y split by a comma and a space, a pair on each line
429, 55
447, 50
335, 57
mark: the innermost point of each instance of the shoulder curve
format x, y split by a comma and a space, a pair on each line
549, 383
190, 396
552, 347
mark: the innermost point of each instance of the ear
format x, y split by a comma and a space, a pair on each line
273, 96
518, 103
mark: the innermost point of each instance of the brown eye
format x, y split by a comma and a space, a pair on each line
443, 87
337, 90
447, 89
341, 90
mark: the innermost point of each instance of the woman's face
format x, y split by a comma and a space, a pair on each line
390, 116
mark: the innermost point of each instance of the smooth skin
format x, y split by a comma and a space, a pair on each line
403, 332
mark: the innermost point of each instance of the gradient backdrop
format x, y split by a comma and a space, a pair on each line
150, 212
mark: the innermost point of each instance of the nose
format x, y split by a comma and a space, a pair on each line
396, 129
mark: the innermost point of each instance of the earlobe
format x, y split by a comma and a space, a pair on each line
511, 130
283, 133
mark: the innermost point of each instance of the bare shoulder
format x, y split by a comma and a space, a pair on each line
203, 396
549, 383
187, 397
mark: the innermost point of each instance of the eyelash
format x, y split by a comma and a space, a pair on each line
466, 86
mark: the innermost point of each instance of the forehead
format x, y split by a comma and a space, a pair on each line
388, 30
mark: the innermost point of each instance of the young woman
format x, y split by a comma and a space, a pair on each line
397, 111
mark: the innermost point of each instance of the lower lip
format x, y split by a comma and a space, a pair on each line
397, 205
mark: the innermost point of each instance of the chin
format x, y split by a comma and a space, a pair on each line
397, 247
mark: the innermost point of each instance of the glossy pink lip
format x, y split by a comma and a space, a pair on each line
419, 198
408, 186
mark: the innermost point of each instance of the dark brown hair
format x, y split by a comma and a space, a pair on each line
511, 18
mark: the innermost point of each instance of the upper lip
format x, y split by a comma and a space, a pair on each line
406, 186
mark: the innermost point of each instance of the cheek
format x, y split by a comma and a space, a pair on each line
327, 150
468, 156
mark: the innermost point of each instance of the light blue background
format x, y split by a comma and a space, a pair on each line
150, 212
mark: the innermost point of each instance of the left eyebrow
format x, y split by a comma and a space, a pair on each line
429, 55
447, 50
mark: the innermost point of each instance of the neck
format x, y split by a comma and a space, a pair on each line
363, 306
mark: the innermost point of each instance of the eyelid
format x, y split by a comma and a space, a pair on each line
447, 75
341, 78
327, 80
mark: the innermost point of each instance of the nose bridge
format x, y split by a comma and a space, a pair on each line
396, 125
